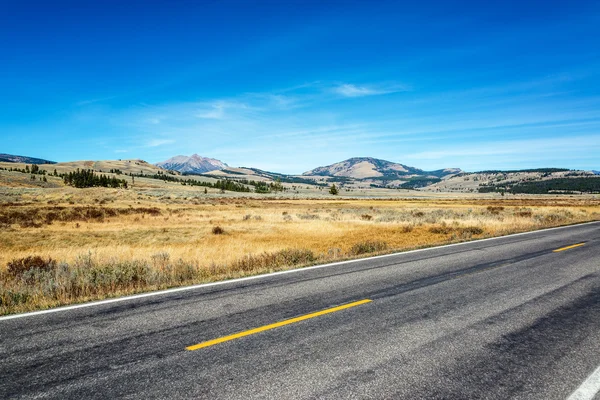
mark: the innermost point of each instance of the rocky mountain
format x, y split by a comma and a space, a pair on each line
368, 167
194, 164
23, 159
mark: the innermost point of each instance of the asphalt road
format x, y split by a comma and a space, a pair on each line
495, 319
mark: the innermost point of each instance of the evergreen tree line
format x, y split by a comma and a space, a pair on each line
87, 178
33, 169
233, 185
566, 185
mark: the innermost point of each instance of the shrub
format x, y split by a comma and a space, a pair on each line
217, 230
441, 229
369, 246
160, 260
550, 218
308, 216
407, 228
524, 213
278, 259
471, 230
495, 209
19, 266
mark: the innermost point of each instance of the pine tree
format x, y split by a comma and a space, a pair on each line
333, 190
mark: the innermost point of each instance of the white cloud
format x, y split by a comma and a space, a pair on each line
217, 109
158, 142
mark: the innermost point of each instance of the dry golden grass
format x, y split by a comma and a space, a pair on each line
132, 243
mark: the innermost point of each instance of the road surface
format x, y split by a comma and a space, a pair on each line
494, 319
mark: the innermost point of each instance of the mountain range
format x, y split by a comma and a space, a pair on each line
194, 164
23, 159
369, 167
356, 173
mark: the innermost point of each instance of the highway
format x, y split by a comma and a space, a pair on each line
516, 317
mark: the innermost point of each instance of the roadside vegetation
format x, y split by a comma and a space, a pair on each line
62, 246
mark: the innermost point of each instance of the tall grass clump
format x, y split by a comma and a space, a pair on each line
366, 247
273, 260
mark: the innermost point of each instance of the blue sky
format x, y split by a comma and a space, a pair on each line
288, 86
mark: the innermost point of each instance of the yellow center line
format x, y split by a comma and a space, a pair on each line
568, 247
275, 325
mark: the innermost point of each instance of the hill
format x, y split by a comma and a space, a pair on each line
194, 164
375, 172
369, 167
530, 181
23, 159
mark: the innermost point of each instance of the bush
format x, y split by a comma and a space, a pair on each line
495, 209
307, 216
217, 230
369, 246
19, 266
444, 229
278, 259
471, 230
407, 228
441, 229
524, 213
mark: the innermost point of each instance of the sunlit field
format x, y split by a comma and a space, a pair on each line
58, 248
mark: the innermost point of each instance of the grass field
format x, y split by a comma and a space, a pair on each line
64, 245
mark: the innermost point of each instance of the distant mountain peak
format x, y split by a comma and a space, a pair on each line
194, 164
370, 167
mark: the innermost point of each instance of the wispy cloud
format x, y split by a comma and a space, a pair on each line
350, 90
218, 109
93, 101
158, 142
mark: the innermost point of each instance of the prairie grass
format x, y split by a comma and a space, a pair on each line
53, 252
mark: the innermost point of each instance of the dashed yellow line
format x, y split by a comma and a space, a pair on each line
275, 325
568, 247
